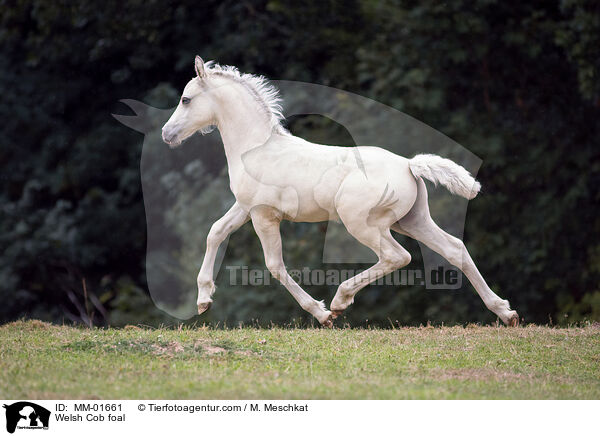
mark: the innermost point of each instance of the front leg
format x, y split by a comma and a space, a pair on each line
233, 219
266, 222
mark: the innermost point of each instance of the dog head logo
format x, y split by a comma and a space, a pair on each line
26, 415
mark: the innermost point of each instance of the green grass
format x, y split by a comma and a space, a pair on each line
44, 361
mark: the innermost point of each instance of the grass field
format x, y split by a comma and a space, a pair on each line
44, 361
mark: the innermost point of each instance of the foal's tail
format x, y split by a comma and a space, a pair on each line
439, 170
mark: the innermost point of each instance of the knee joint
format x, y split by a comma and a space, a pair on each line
213, 238
276, 268
398, 260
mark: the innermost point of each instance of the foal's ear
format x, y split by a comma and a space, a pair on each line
199, 65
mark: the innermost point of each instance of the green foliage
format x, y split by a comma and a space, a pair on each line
517, 83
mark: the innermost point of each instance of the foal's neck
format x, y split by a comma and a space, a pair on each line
242, 122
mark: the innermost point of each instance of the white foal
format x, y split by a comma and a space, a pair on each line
276, 176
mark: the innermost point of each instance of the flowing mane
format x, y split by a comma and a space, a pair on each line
265, 94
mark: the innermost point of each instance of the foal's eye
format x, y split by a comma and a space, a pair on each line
185, 100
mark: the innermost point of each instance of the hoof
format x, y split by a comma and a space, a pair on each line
513, 321
328, 323
336, 313
203, 307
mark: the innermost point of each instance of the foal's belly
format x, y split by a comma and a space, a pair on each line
295, 204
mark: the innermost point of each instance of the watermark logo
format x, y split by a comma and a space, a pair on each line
25, 415
244, 276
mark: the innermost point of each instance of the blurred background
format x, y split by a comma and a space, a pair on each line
516, 83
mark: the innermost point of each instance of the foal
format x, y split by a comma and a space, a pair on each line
276, 176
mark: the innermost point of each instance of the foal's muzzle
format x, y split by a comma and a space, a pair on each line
170, 138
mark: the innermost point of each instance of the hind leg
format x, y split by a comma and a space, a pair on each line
368, 207
392, 256
419, 225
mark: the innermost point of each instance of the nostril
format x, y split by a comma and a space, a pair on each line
170, 136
